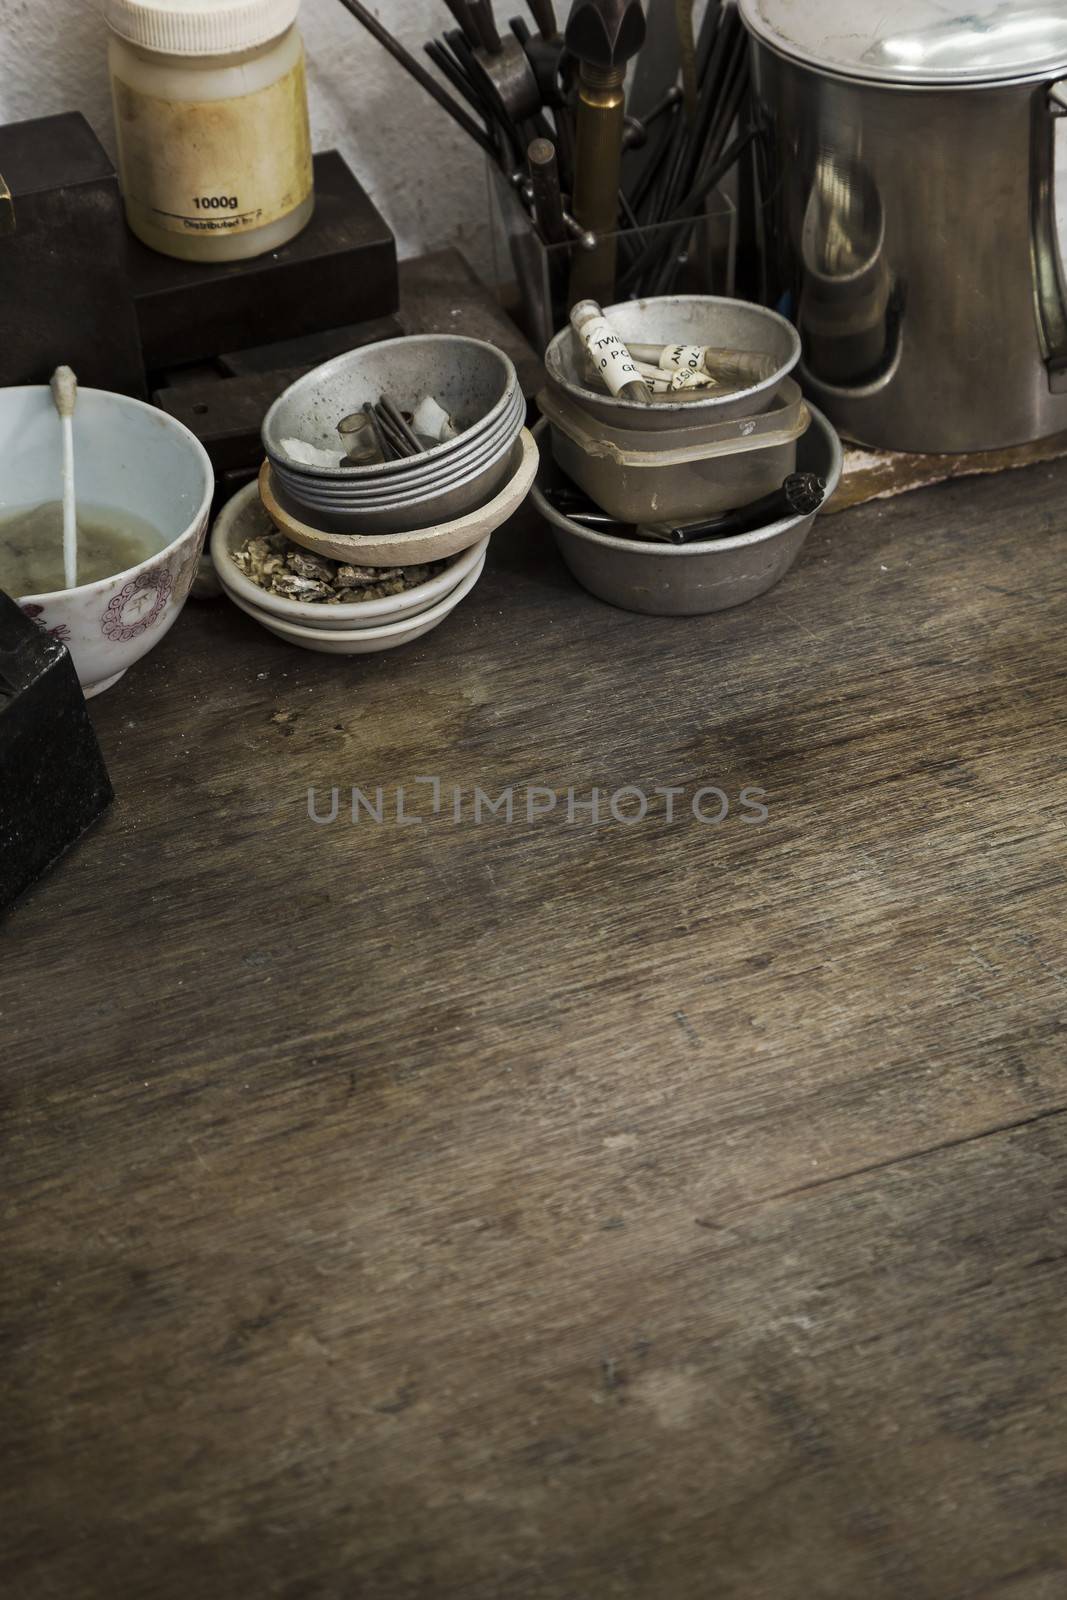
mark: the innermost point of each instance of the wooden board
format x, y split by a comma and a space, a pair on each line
883, 474
554, 1210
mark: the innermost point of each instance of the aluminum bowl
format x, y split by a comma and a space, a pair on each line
356, 496
680, 319
473, 489
670, 580
475, 382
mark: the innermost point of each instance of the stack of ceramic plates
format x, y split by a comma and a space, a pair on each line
472, 381
361, 628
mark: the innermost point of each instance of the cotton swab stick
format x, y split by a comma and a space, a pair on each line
65, 394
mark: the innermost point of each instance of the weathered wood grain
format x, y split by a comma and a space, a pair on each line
554, 1210
883, 474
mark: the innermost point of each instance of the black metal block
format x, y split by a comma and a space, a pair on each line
341, 269
53, 782
64, 299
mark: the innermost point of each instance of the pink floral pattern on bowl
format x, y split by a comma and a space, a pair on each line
137, 605
60, 632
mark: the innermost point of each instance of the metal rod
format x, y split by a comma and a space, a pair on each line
481, 12
400, 422
387, 453
483, 87
543, 13
418, 72
650, 257
547, 197
459, 11
456, 77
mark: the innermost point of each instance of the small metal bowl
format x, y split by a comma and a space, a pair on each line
359, 497
474, 382
701, 319
474, 488
687, 580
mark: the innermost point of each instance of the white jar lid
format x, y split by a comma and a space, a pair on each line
199, 27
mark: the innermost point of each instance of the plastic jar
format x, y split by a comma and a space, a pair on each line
211, 115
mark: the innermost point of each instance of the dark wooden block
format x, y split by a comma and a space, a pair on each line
310, 350
341, 269
226, 413
65, 300
53, 782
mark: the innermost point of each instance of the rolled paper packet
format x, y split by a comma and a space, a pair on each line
432, 421
309, 455
657, 377
682, 358
722, 365
613, 362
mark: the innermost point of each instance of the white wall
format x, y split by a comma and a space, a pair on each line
423, 173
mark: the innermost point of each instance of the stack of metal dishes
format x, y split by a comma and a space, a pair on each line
360, 628
649, 469
472, 381
679, 459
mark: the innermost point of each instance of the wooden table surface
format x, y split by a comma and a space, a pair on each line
544, 1210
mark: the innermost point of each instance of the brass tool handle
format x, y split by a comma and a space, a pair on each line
597, 169
1049, 288
7, 209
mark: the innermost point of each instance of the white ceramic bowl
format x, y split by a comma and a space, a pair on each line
244, 517
364, 641
136, 459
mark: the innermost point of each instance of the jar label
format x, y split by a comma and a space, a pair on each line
210, 167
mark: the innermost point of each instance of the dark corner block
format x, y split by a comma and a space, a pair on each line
341, 269
65, 300
53, 782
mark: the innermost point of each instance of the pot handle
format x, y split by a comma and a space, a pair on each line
1049, 107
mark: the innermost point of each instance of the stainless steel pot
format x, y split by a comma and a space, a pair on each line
910, 208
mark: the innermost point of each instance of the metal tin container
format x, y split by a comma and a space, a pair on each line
683, 474
668, 580
910, 155
679, 319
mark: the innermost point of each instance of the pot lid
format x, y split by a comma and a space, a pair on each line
918, 42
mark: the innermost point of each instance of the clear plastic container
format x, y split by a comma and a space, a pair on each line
211, 115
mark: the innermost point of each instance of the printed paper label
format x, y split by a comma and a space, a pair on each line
216, 166
611, 356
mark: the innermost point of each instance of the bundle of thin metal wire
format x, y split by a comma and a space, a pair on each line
697, 148
509, 90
